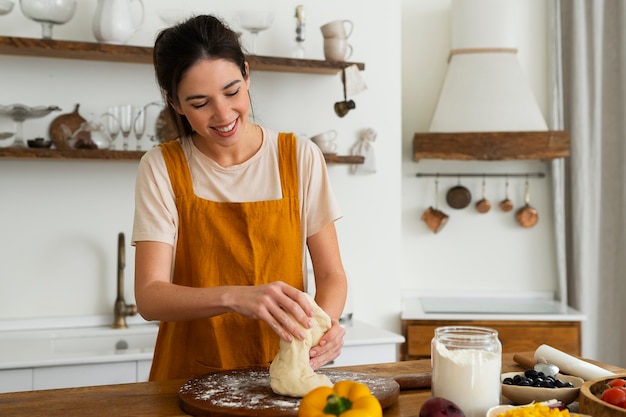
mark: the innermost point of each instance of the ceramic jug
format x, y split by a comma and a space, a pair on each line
113, 22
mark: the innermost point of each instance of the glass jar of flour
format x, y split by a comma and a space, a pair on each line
467, 363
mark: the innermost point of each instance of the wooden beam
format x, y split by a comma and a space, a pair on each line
491, 146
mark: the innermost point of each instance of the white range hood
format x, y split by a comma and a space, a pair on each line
485, 89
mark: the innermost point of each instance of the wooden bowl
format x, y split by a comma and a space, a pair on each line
526, 395
589, 401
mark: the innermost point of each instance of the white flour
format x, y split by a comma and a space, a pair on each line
470, 378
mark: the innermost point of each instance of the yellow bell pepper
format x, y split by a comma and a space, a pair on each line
345, 399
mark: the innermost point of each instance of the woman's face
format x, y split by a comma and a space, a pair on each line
213, 96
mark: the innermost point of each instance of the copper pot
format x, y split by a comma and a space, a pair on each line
527, 216
483, 205
506, 205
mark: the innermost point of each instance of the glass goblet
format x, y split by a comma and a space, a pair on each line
48, 13
139, 126
254, 21
127, 118
112, 123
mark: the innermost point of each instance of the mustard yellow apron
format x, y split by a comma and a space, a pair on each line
249, 243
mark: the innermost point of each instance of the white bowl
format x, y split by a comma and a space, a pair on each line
526, 395
5, 7
501, 409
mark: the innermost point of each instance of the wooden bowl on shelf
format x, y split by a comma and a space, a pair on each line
589, 401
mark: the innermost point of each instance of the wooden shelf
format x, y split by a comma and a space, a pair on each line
35, 153
50, 48
491, 146
45, 153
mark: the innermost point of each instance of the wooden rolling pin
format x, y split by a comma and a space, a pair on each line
413, 381
527, 361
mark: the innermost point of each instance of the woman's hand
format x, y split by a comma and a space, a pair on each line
275, 303
329, 346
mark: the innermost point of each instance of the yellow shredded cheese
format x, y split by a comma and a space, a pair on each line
535, 410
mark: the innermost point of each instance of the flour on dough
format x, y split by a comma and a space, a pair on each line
290, 372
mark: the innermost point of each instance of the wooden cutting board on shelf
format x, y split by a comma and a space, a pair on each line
247, 392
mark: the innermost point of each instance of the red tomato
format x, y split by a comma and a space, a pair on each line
619, 382
615, 396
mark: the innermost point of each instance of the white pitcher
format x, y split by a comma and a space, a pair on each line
113, 23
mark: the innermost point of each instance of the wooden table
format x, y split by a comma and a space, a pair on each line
155, 399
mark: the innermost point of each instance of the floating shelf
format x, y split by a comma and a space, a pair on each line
92, 51
492, 146
35, 153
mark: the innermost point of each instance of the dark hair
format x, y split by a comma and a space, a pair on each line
179, 47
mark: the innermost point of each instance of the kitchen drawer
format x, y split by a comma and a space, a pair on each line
515, 335
12, 380
84, 375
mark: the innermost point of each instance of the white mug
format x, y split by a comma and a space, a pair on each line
326, 141
336, 49
337, 29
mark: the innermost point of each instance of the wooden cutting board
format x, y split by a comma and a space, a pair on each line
247, 392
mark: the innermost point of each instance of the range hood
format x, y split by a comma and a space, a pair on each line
486, 107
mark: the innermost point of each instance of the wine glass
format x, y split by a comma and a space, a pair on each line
139, 126
254, 21
48, 13
127, 118
113, 123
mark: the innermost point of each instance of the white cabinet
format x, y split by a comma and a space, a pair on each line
84, 375
69, 376
143, 370
12, 380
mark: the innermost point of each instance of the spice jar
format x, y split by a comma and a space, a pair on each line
467, 363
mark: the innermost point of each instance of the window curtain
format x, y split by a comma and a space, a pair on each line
592, 52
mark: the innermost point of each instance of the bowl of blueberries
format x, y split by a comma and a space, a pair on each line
533, 386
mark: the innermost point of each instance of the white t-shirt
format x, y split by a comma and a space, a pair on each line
257, 179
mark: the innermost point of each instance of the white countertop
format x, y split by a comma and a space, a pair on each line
86, 340
359, 333
527, 306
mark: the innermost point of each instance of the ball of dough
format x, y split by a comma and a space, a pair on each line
290, 372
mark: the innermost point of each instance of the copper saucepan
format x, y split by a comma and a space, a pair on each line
483, 205
506, 205
527, 216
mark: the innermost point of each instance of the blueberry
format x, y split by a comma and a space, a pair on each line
530, 373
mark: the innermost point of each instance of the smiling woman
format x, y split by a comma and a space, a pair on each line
213, 203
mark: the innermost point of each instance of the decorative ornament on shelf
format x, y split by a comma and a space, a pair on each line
298, 50
364, 147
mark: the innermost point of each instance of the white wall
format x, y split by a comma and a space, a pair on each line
59, 219
473, 252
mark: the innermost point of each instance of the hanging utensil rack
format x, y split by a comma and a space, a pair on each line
482, 175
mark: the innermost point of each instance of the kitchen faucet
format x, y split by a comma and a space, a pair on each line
121, 309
